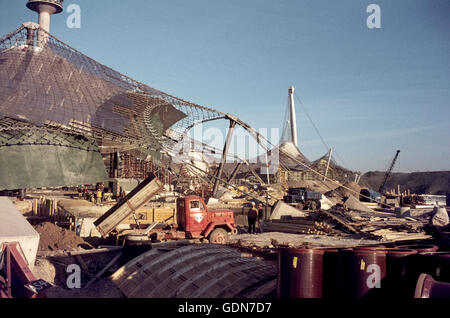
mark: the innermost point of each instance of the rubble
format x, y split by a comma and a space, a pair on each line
354, 204
280, 239
439, 217
348, 219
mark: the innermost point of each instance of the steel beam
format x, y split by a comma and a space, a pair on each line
235, 171
224, 156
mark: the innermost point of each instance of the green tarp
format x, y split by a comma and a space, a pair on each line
58, 160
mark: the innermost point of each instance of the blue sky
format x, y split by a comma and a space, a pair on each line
369, 91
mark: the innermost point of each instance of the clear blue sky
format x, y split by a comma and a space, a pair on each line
369, 91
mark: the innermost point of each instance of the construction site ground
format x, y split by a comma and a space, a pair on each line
348, 227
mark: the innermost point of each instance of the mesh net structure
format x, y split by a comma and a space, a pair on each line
51, 95
47, 85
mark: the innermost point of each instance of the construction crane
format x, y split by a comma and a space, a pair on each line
388, 173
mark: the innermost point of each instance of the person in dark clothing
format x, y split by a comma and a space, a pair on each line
260, 217
252, 216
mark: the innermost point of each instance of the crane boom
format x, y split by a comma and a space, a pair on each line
388, 173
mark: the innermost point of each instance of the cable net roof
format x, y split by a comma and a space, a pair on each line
46, 84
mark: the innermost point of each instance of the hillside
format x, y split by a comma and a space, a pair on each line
434, 182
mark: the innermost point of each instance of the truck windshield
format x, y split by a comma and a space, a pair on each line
196, 205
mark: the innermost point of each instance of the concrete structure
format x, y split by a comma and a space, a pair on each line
45, 8
15, 228
284, 209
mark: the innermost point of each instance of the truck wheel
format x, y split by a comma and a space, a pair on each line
300, 206
218, 236
312, 205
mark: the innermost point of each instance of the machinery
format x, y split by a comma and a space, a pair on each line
388, 173
303, 199
196, 221
193, 219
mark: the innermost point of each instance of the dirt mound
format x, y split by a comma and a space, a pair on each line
53, 237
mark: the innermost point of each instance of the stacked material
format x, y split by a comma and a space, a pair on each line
298, 225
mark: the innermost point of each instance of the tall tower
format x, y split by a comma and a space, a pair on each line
293, 117
45, 8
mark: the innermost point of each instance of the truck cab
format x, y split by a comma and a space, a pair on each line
197, 221
303, 199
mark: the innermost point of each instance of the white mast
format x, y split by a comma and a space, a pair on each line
328, 164
45, 8
293, 118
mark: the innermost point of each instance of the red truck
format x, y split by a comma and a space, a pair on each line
193, 218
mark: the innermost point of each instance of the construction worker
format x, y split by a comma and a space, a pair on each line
99, 196
252, 216
260, 217
100, 186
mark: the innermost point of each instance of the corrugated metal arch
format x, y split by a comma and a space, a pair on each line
197, 271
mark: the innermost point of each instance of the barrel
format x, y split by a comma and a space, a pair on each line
422, 262
397, 263
299, 273
438, 265
332, 264
427, 287
443, 270
363, 272
133, 246
420, 248
369, 247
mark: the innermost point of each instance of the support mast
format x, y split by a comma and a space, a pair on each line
293, 117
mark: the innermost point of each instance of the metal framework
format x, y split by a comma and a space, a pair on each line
48, 85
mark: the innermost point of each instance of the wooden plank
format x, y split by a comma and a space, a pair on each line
340, 221
120, 211
393, 236
97, 250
